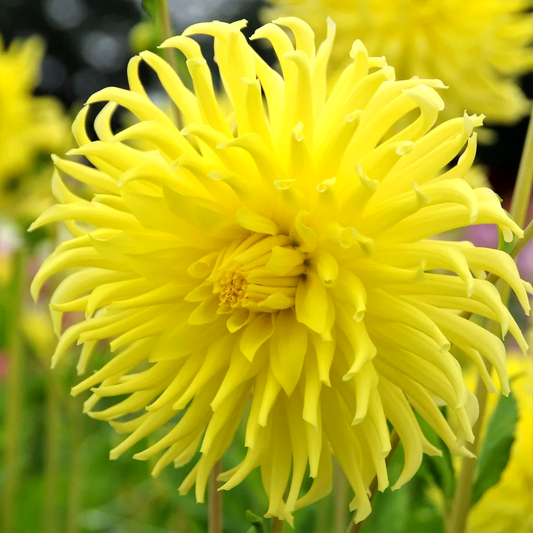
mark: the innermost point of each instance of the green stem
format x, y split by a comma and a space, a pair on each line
519, 206
166, 32
215, 501
463, 494
169, 53
323, 516
76, 470
340, 492
394, 440
13, 456
277, 525
52, 459
524, 180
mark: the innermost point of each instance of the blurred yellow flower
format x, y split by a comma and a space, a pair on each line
6, 267
279, 257
506, 507
29, 126
477, 47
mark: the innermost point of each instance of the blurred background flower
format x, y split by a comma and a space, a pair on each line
476, 47
31, 127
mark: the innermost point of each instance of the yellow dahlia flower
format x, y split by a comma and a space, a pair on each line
477, 47
29, 125
274, 265
506, 507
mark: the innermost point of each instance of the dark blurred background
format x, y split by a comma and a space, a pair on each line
88, 41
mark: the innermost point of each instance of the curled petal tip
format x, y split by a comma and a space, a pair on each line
140, 457
445, 347
359, 315
113, 455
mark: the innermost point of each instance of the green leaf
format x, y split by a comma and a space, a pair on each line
258, 525
496, 446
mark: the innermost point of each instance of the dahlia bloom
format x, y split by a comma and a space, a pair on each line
477, 47
506, 506
274, 265
29, 125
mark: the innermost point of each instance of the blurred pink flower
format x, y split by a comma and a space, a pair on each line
486, 235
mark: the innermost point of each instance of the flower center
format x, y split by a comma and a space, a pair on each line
232, 290
260, 273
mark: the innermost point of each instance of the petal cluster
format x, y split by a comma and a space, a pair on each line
267, 272
477, 47
29, 125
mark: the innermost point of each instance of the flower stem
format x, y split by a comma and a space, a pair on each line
169, 53
394, 440
14, 395
76, 467
166, 31
519, 206
215, 501
463, 493
524, 180
52, 460
277, 525
340, 492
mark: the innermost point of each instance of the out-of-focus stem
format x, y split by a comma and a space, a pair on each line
14, 395
340, 492
323, 516
76, 470
169, 53
52, 459
277, 525
215, 501
463, 493
166, 31
519, 206
524, 180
